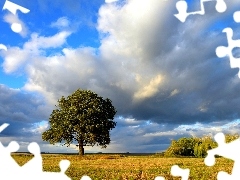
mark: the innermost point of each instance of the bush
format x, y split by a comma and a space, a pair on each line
182, 147
194, 146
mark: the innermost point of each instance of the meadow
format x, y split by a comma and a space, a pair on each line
131, 167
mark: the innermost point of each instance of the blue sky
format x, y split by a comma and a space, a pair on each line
162, 75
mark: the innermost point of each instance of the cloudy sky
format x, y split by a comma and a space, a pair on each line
162, 75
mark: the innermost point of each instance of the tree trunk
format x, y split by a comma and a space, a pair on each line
80, 146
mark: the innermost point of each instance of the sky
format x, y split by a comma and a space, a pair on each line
162, 75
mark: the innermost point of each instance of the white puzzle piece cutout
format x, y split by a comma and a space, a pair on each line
222, 51
228, 150
86, 178
32, 169
177, 171
182, 7
236, 16
12, 7
159, 178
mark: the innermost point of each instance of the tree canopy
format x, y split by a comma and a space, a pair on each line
195, 146
82, 117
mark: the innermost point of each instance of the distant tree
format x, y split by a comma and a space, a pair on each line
83, 117
203, 145
194, 146
206, 142
181, 147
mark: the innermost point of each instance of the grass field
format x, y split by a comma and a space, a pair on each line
115, 166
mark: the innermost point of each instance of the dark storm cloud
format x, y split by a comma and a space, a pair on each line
208, 89
20, 110
196, 87
153, 67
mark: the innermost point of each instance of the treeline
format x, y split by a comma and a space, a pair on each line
194, 146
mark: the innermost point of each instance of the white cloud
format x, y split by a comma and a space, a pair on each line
167, 133
197, 130
129, 37
39, 127
40, 42
15, 57
64, 69
174, 92
110, 1
150, 89
123, 51
62, 22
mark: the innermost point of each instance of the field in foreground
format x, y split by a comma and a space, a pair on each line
109, 167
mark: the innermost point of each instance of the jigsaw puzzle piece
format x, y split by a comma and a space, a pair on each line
228, 150
177, 171
236, 16
210, 159
224, 176
40, 175
182, 7
6, 160
7, 163
4, 125
221, 6
64, 165
222, 51
12, 7
35, 164
32, 169
88, 178
45, 176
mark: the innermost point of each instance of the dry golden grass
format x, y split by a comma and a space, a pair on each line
129, 167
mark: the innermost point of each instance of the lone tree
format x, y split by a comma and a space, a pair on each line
83, 117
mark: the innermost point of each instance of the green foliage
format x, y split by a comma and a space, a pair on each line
194, 146
182, 147
229, 137
84, 117
203, 145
